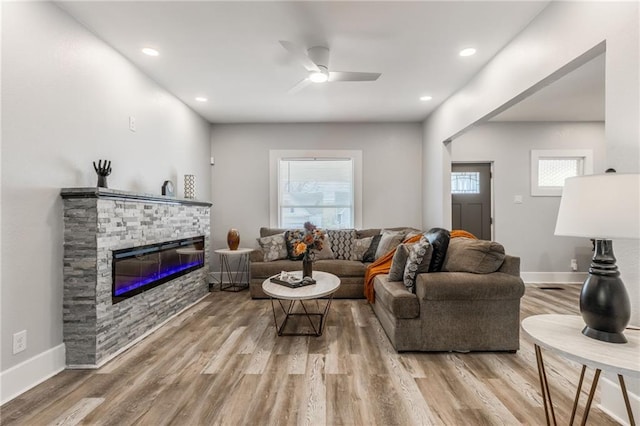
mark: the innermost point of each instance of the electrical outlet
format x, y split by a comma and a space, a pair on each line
132, 123
19, 341
574, 265
213, 161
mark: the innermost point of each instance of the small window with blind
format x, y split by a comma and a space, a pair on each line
321, 189
549, 169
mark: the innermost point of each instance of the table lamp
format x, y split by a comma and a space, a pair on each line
602, 207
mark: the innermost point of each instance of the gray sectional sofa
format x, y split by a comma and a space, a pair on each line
466, 308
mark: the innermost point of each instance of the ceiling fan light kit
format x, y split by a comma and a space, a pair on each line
316, 61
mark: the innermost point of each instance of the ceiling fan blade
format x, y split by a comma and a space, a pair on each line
299, 86
300, 54
353, 76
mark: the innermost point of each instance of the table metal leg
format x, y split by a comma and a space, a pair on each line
592, 393
577, 398
236, 280
625, 395
544, 387
289, 312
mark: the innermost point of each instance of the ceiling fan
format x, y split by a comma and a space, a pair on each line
316, 61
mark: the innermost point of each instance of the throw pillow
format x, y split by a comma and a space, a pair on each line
370, 254
341, 242
326, 252
273, 247
475, 256
417, 262
389, 241
396, 273
439, 240
290, 237
359, 248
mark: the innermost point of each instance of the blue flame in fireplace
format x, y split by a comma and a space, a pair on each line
144, 281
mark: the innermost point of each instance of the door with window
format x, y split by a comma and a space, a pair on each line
471, 198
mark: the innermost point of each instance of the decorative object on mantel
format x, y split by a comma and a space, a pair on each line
233, 239
602, 207
189, 186
167, 188
310, 241
103, 170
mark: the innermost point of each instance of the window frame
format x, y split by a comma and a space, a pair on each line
560, 154
276, 155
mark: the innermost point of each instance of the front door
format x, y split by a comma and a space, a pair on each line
471, 198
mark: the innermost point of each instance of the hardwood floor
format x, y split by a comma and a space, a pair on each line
221, 363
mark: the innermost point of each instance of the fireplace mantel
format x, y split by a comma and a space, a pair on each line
116, 194
98, 221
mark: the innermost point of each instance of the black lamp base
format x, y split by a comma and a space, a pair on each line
604, 302
604, 336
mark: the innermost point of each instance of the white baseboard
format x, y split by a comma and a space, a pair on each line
553, 277
611, 401
22, 377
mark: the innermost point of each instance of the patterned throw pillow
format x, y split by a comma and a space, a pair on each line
417, 263
396, 273
273, 247
359, 247
341, 242
389, 241
290, 237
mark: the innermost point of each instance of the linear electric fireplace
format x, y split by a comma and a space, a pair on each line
139, 269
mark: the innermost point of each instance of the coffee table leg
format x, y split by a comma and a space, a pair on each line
288, 312
623, 388
577, 398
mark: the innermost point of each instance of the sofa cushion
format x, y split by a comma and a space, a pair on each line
475, 256
418, 262
396, 273
396, 298
341, 242
389, 241
341, 268
360, 247
266, 232
273, 247
439, 240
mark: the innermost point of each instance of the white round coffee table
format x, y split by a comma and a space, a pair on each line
287, 298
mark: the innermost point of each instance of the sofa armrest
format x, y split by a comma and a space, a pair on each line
511, 266
257, 255
468, 286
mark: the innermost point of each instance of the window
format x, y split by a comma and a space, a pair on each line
465, 182
321, 187
549, 169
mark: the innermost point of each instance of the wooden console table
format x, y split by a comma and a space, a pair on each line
562, 334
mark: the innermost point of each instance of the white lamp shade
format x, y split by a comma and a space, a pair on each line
600, 206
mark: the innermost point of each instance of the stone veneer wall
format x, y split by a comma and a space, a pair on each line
99, 220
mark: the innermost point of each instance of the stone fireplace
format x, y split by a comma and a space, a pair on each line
101, 221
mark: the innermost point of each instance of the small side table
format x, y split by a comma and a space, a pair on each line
562, 334
238, 278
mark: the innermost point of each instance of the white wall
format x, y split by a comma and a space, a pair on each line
66, 99
562, 37
391, 157
526, 229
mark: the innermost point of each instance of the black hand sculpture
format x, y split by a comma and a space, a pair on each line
103, 171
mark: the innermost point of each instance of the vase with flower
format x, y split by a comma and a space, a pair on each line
310, 242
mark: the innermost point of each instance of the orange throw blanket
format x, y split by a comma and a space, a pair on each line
383, 265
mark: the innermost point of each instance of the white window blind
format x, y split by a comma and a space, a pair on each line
318, 190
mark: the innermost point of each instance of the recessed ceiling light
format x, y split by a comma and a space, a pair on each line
201, 99
426, 98
468, 51
149, 51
